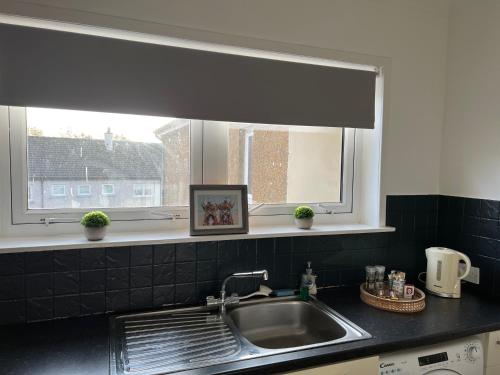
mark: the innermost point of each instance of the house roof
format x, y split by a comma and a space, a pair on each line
75, 158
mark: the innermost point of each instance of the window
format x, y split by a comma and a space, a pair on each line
84, 190
283, 166
145, 164
143, 190
58, 190
108, 189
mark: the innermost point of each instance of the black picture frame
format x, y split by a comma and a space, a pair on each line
210, 221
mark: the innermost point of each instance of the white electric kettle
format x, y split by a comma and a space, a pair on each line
444, 273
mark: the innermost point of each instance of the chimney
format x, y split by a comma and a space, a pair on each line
108, 140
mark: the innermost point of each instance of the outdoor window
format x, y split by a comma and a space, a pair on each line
143, 165
143, 190
58, 190
108, 189
83, 190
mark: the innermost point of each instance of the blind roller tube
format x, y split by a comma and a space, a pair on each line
54, 69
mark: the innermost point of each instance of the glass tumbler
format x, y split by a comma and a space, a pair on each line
370, 277
379, 277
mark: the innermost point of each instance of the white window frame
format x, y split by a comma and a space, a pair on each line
143, 190
113, 192
79, 191
215, 140
20, 214
208, 147
53, 195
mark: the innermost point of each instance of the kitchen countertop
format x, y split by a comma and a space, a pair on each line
81, 346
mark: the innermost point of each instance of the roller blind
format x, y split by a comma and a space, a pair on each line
55, 69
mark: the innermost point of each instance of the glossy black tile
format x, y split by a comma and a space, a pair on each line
141, 255
472, 207
67, 306
117, 300
490, 209
91, 259
66, 282
206, 250
38, 262
164, 274
39, 309
164, 253
92, 303
11, 287
185, 294
185, 272
117, 278
141, 276
39, 284
206, 270
117, 257
284, 245
11, 264
13, 311
163, 295
67, 260
92, 281
141, 298
185, 252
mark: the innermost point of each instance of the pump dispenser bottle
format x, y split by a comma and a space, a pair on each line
308, 282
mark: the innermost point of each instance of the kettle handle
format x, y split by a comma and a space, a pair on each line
468, 265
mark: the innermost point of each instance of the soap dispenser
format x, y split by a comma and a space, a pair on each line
309, 281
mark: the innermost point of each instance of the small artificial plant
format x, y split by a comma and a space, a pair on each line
304, 212
95, 219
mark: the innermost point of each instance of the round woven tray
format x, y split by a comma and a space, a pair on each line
401, 306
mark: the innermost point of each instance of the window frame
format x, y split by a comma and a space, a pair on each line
215, 141
20, 214
52, 195
143, 189
208, 151
79, 193
105, 194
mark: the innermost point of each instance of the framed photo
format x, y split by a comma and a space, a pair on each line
218, 209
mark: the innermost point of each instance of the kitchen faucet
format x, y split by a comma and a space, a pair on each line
223, 301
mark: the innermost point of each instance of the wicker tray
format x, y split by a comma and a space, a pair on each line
401, 306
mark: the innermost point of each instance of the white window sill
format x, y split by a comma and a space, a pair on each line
74, 241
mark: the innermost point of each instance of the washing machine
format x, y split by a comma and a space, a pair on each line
461, 357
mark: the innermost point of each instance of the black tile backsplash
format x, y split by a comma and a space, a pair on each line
58, 284
473, 227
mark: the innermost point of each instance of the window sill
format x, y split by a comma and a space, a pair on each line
75, 241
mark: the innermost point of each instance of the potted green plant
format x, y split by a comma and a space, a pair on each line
95, 223
304, 217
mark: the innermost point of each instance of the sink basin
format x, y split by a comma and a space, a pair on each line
292, 324
285, 325
167, 341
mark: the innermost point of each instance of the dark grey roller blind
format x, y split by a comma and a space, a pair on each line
54, 69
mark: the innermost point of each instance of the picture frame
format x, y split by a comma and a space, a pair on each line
218, 209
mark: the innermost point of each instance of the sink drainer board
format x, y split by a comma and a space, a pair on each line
166, 341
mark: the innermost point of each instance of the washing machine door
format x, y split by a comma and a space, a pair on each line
444, 372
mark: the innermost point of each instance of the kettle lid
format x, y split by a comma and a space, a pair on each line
442, 250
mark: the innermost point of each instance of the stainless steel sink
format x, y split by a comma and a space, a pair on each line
174, 340
286, 324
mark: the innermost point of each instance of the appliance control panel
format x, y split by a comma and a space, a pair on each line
463, 357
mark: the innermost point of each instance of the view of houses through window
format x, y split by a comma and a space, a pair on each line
79, 159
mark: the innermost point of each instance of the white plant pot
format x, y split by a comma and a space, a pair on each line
94, 234
305, 223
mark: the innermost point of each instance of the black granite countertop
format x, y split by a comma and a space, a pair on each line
81, 346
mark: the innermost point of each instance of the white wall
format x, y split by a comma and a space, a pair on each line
412, 34
471, 138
